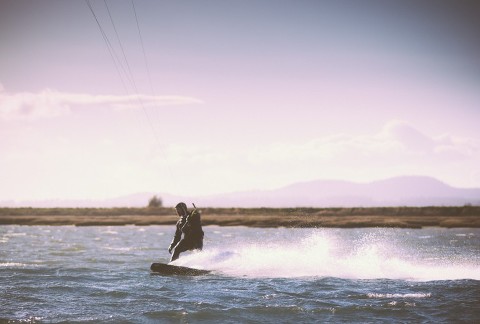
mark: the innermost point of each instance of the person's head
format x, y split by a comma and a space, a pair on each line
181, 209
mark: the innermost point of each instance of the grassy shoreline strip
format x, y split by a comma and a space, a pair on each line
166, 211
399, 217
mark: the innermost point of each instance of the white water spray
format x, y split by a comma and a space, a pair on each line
325, 253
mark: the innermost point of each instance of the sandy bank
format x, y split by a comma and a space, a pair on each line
401, 217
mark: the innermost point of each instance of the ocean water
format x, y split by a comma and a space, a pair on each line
52, 274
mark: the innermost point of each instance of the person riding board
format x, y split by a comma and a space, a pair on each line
190, 226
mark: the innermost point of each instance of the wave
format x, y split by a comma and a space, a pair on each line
411, 295
12, 265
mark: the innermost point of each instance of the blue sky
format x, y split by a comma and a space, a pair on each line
243, 95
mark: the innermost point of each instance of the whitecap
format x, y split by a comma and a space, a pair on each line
123, 249
407, 295
110, 232
10, 234
12, 265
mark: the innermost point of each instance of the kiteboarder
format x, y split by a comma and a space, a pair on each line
190, 226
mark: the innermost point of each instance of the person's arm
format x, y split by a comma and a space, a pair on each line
176, 237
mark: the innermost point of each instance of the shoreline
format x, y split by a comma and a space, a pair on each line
394, 217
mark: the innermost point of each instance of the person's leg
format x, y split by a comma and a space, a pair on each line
182, 246
199, 245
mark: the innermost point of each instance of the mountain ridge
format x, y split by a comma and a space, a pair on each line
415, 191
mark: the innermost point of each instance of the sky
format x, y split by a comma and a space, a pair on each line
100, 99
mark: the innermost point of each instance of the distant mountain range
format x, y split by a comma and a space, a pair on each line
398, 191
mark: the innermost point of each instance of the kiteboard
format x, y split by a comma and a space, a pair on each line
168, 270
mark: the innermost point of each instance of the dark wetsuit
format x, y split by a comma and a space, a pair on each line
191, 228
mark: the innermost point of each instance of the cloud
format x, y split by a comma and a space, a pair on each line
444, 145
51, 103
397, 141
397, 147
391, 151
408, 136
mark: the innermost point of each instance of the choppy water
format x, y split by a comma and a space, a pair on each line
101, 274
